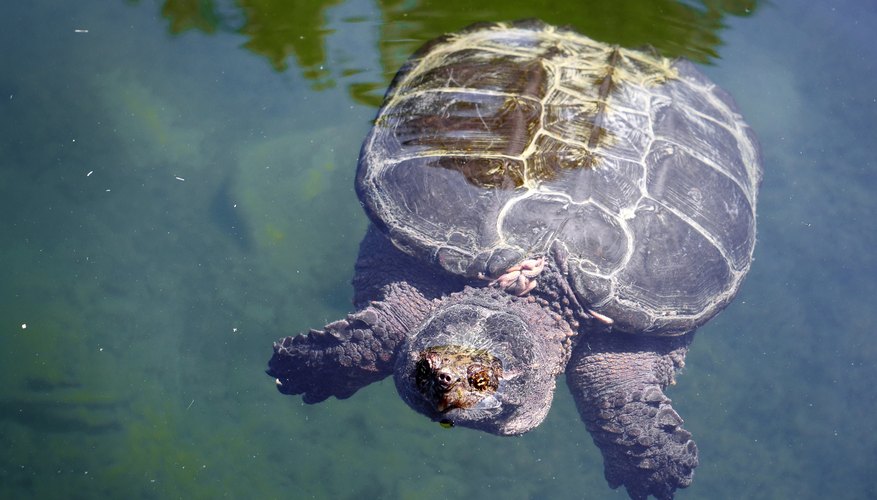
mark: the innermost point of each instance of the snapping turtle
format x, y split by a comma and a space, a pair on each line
540, 203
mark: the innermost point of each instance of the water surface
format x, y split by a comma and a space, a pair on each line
176, 191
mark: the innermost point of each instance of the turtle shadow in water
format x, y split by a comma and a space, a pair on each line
224, 213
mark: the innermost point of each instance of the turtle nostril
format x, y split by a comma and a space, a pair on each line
445, 380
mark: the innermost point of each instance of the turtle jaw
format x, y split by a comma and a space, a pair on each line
453, 377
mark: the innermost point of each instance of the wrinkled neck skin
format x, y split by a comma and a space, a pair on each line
530, 342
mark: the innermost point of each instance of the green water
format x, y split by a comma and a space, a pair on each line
176, 192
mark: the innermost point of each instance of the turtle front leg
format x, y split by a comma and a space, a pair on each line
338, 360
393, 294
618, 383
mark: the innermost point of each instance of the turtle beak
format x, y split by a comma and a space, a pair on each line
446, 390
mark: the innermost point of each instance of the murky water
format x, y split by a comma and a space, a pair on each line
176, 191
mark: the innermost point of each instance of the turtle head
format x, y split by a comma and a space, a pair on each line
483, 360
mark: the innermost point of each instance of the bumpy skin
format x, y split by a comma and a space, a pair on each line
617, 381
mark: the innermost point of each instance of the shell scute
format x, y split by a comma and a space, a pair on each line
505, 141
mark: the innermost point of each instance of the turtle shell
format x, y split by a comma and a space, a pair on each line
509, 140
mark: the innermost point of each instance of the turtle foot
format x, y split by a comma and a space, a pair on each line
520, 279
337, 360
618, 383
648, 455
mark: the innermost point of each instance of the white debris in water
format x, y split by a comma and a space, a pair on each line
79, 30
177, 177
24, 326
89, 173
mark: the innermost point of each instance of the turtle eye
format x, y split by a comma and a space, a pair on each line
480, 378
479, 381
422, 375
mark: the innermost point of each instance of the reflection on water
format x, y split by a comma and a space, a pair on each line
279, 29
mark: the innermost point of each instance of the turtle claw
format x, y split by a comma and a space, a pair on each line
520, 279
606, 320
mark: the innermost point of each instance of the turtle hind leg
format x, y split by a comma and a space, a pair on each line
618, 383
